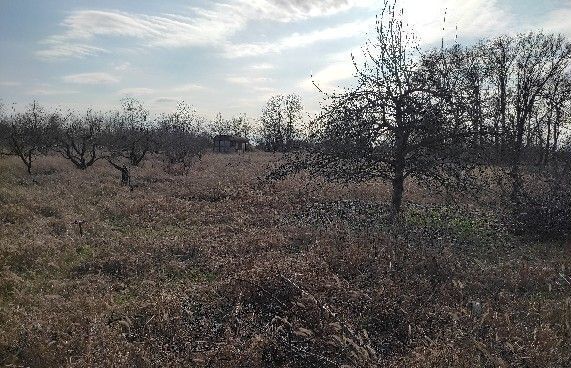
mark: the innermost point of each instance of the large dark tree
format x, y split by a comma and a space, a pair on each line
541, 58
401, 119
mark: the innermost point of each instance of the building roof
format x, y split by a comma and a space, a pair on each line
226, 137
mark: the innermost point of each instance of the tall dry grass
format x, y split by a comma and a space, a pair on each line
218, 268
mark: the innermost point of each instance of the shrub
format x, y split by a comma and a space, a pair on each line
545, 216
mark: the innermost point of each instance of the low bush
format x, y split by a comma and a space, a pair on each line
544, 216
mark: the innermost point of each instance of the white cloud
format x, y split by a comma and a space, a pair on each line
328, 77
474, 18
143, 91
187, 88
64, 50
136, 91
262, 66
346, 30
122, 67
91, 78
83, 26
166, 100
50, 92
465, 18
10, 84
212, 26
295, 10
246, 80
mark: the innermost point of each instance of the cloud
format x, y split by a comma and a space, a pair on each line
295, 10
296, 40
83, 26
49, 92
10, 84
262, 66
187, 88
91, 78
65, 50
246, 80
122, 67
450, 18
166, 100
472, 18
210, 26
143, 91
327, 78
136, 91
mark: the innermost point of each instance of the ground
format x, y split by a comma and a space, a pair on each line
218, 267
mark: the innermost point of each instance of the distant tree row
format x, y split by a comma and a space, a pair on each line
129, 134
126, 135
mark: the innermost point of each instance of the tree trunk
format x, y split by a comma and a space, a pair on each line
398, 166
547, 150
398, 190
503, 107
517, 180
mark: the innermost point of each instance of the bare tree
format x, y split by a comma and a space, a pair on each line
555, 103
80, 140
130, 131
476, 74
541, 58
238, 126
4, 129
181, 136
280, 119
500, 55
220, 125
30, 133
402, 119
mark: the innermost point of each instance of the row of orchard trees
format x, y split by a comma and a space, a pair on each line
130, 133
435, 114
126, 135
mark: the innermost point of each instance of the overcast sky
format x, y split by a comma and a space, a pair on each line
224, 56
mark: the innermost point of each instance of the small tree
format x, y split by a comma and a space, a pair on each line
30, 133
280, 119
238, 126
80, 140
181, 137
130, 133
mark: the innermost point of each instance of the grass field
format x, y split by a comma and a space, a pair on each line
219, 268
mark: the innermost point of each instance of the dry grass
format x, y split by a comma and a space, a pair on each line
220, 269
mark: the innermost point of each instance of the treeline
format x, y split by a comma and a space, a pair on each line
126, 135
434, 114
443, 116
130, 134
515, 95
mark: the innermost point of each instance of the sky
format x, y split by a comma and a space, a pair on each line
225, 56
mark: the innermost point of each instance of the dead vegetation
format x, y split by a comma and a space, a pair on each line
219, 268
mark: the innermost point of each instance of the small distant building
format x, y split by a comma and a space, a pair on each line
230, 144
